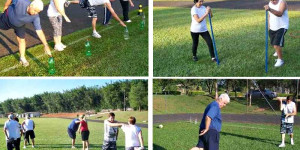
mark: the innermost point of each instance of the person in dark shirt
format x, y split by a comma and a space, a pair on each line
17, 13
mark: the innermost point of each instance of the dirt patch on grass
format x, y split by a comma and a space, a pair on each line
62, 115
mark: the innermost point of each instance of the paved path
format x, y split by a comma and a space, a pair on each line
240, 118
231, 4
78, 16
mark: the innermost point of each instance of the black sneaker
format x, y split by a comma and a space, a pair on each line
195, 58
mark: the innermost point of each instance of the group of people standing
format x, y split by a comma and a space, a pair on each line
133, 133
278, 26
13, 131
18, 13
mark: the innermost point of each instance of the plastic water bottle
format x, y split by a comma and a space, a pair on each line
51, 66
126, 34
142, 24
88, 48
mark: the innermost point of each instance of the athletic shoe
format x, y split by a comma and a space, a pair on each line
24, 147
275, 54
67, 3
282, 145
195, 58
292, 142
24, 62
128, 21
214, 59
279, 62
96, 35
73, 147
58, 48
32, 146
63, 46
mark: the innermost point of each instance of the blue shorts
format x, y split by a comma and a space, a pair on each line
286, 128
72, 134
210, 140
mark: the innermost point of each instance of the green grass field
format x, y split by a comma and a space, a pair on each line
240, 40
52, 134
111, 55
196, 104
234, 136
123, 116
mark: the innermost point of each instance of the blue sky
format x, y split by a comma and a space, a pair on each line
19, 88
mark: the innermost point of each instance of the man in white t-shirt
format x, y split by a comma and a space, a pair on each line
110, 133
12, 133
91, 4
289, 110
28, 126
278, 26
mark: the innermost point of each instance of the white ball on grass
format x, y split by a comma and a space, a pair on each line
160, 126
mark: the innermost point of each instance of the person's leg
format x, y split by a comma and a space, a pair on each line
208, 40
107, 16
283, 138
195, 38
94, 23
123, 4
196, 148
32, 136
126, 11
83, 145
22, 46
278, 50
73, 142
18, 144
9, 146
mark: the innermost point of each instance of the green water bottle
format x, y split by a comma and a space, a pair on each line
142, 24
51, 66
88, 48
126, 34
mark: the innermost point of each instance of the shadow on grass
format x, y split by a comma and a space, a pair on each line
6, 46
274, 142
78, 146
157, 147
36, 60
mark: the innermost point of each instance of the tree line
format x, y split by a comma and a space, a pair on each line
128, 93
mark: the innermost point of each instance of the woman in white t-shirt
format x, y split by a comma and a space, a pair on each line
198, 27
55, 13
288, 110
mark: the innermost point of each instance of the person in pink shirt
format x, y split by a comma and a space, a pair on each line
84, 130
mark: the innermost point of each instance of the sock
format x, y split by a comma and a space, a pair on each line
95, 31
292, 141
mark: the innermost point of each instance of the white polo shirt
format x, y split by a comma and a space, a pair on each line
28, 124
131, 135
12, 129
197, 27
52, 11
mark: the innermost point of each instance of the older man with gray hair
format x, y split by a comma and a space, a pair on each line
211, 124
16, 14
12, 133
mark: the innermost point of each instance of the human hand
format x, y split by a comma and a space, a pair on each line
131, 4
266, 7
287, 115
67, 19
123, 24
67, 3
208, 10
47, 50
203, 132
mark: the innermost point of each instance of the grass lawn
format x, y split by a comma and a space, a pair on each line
196, 104
184, 135
111, 55
52, 134
123, 116
240, 40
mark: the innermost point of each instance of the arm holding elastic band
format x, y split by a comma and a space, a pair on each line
282, 8
196, 17
61, 11
6, 5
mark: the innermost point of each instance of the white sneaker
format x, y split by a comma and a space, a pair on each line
96, 35
128, 21
73, 147
292, 142
32, 146
24, 62
275, 54
63, 45
279, 62
58, 48
282, 145
24, 147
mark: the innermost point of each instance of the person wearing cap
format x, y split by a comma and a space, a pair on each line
29, 126
288, 111
92, 13
133, 134
18, 13
72, 128
84, 131
12, 133
278, 26
210, 127
110, 133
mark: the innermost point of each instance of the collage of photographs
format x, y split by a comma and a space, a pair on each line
150, 74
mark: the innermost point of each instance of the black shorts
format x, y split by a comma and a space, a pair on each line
72, 134
5, 25
109, 145
85, 135
277, 37
29, 133
209, 141
92, 13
